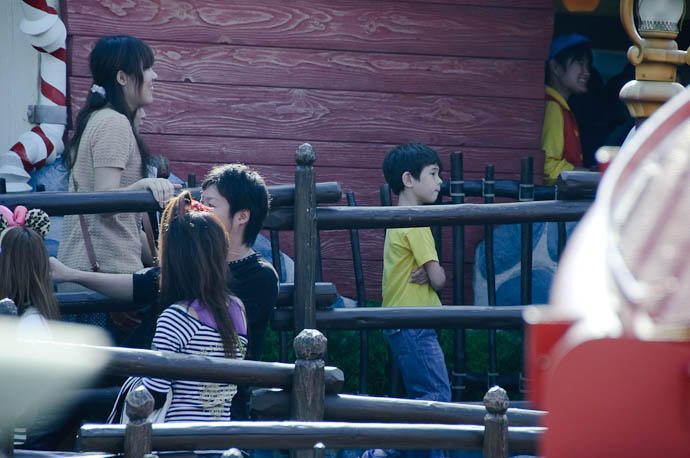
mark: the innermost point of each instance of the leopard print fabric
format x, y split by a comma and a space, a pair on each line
36, 219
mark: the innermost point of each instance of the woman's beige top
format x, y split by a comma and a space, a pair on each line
107, 141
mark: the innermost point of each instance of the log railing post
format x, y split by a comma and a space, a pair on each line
308, 387
305, 239
138, 405
496, 423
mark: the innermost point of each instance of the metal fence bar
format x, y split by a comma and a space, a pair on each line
361, 300
489, 194
275, 255
457, 195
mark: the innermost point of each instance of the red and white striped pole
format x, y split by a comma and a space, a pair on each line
40, 145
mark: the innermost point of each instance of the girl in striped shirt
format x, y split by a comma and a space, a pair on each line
200, 317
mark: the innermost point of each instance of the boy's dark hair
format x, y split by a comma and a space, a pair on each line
244, 189
410, 157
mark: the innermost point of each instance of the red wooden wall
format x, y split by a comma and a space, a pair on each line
250, 80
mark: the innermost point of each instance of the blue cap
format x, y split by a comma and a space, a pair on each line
561, 42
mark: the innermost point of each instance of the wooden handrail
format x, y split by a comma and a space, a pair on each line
341, 217
128, 361
275, 405
57, 203
446, 317
91, 302
303, 435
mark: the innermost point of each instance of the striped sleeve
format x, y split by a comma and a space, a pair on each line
173, 332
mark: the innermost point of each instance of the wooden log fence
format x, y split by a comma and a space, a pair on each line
576, 184
308, 390
342, 217
446, 317
304, 435
58, 203
274, 404
139, 405
91, 302
148, 363
305, 236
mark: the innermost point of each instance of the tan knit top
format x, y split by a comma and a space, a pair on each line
107, 141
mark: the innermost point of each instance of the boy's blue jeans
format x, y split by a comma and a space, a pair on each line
423, 369
420, 359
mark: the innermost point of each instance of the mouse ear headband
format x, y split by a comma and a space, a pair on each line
35, 219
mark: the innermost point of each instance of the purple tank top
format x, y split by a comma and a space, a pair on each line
236, 315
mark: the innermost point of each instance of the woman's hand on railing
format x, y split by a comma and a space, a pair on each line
60, 272
162, 189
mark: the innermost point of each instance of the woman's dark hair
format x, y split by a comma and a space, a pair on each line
194, 246
25, 272
109, 56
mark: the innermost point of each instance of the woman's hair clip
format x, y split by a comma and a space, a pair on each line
35, 219
195, 205
96, 89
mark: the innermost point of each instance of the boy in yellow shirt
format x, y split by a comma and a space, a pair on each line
411, 277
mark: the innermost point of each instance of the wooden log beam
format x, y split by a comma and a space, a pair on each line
129, 361
576, 184
341, 217
275, 404
446, 317
92, 302
73, 203
303, 435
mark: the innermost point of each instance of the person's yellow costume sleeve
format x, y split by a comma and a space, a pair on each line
552, 143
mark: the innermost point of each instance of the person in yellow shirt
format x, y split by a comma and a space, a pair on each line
567, 73
412, 275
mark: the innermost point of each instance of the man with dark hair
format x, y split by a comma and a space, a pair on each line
244, 191
241, 201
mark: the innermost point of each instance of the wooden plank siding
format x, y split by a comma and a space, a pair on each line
249, 81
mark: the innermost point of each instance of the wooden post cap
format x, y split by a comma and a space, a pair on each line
319, 450
496, 400
305, 154
232, 453
7, 307
310, 344
139, 404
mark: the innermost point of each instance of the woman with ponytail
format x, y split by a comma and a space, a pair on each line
199, 315
106, 153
